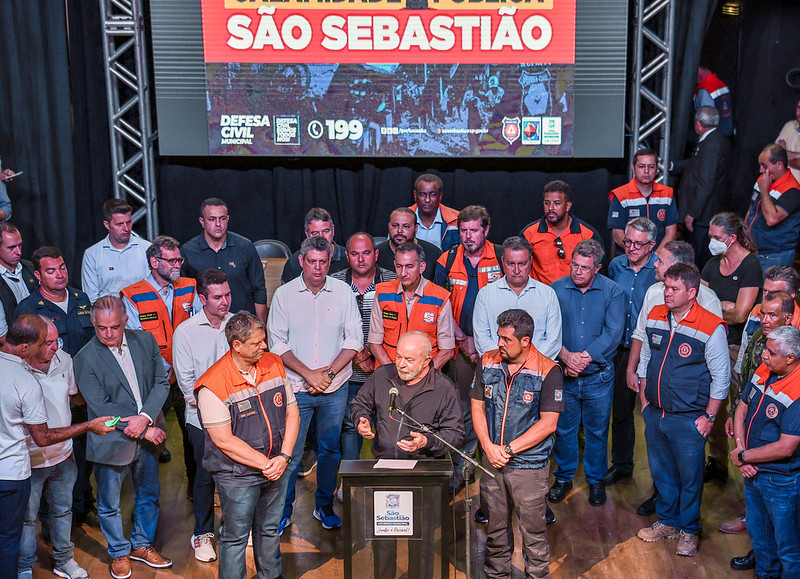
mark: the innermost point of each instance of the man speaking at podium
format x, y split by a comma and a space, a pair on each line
429, 397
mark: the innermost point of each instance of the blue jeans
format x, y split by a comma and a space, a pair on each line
257, 509
350, 439
767, 260
773, 522
676, 451
203, 501
13, 501
328, 412
59, 480
144, 470
587, 400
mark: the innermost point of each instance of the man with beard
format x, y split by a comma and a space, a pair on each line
554, 237
403, 229
158, 304
430, 398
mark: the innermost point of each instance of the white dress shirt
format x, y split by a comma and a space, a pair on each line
196, 345
106, 270
315, 328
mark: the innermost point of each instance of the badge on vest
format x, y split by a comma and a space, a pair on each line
487, 390
684, 350
662, 214
655, 340
277, 400
187, 307
634, 213
494, 276
527, 396
243, 406
429, 317
390, 316
148, 317
771, 411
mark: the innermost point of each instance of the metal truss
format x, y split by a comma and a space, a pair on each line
129, 110
651, 92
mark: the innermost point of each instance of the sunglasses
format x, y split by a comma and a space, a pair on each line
560, 245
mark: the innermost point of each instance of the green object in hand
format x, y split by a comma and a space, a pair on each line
112, 422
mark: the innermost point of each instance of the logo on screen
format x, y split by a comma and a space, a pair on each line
531, 130
286, 129
510, 129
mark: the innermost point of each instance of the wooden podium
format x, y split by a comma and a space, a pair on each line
389, 511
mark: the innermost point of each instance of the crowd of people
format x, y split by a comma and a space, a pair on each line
504, 350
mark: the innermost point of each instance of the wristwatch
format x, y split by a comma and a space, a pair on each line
331, 374
710, 417
741, 457
510, 452
287, 457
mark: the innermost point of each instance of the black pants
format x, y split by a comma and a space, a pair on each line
623, 429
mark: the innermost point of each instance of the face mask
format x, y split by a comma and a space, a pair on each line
717, 247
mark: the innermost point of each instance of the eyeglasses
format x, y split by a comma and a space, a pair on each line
635, 244
172, 262
560, 245
580, 268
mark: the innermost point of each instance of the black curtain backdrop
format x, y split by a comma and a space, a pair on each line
53, 126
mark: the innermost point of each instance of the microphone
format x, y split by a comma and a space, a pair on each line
393, 392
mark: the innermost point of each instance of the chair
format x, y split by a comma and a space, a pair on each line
268, 248
273, 254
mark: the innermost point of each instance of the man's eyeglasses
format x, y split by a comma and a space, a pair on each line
178, 261
635, 244
560, 245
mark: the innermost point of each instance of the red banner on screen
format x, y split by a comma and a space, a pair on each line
450, 31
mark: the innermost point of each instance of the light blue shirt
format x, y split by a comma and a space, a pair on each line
538, 299
432, 234
106, 270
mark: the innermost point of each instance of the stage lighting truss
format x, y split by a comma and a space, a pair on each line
130, 110
651, 92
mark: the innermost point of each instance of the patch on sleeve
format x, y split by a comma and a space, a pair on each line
558, 395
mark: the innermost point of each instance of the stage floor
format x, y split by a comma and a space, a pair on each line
585, 541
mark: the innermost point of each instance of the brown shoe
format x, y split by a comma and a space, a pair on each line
657, 532
121, 567
732, 527
150, 556
687, 545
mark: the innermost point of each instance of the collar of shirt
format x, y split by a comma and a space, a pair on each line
704, 136
438, 220
12, 358
502, 283
649, 264
201, 319
132, 242
229, 241
304, 287
777, 383
569, 284
574, 226
123, 347
164, 292
55, 364
15, 275
417, 292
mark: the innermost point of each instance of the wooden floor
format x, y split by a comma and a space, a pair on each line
585, 541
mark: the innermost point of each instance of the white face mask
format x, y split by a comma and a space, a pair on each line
717, 247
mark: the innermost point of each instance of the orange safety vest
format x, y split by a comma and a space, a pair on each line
489, 270
424, 313
449, 216
153, 314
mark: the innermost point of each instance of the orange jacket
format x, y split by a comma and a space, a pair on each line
153, 314
424, 313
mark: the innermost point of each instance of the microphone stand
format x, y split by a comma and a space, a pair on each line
469, 465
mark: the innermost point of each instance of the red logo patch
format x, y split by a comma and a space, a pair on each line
662, 214
527, 397
771, 411
277, 400
685, 350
